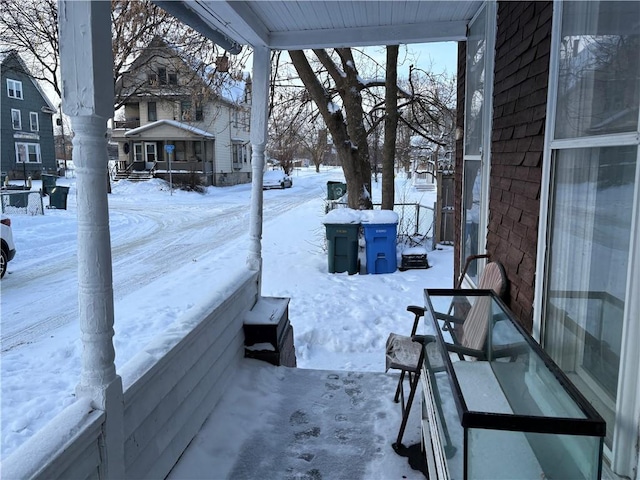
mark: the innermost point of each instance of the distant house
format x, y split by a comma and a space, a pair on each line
26, 132
183, 117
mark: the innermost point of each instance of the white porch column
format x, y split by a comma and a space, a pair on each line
259, 109
88, 99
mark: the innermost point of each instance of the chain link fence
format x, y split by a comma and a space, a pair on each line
415, 221
22, 203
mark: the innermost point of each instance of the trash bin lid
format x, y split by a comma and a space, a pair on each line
342, 216
378, 216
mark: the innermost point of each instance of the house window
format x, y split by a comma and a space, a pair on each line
238, 154
180, 151
591, 261
247, 120
33, 120
14, 89
152, 79
28, 153
477, 124
173, 79
16, 119
197, 150
162, 75
199, 115
152, 114
185, 109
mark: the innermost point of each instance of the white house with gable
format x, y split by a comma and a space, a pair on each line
183, 117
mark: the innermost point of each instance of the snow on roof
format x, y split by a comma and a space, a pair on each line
224, 84
174, 123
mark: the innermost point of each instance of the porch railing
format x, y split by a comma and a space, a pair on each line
169, 389
126, 123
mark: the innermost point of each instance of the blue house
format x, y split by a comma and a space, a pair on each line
26, 119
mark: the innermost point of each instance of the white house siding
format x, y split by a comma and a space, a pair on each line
220, 118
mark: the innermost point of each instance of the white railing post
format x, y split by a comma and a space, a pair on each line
88, 99
260, 99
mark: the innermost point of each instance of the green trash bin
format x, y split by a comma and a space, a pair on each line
58, 198
48, 183
342, 245
335, 190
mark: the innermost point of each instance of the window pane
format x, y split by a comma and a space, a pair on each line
474, 98
599, 71
151, 111
471, 214
33, 117
16, 119
591, 205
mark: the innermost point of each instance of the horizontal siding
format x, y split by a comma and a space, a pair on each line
165, 408
67, 447
188, 419
191, 366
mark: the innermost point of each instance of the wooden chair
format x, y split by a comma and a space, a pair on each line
407, 353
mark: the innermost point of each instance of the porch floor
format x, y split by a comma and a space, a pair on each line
290, 423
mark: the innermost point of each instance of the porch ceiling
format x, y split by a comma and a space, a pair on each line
294, 25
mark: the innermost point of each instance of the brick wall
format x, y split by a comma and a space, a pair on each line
519, 109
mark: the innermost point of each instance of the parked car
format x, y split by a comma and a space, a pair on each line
8, 247
276, 179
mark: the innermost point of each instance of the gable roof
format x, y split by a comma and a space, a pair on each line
12, 55
301, 24
222, 84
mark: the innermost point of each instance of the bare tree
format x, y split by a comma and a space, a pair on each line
31, 28
348, 129
314, 143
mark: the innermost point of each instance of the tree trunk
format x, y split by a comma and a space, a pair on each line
390, 128
349, 135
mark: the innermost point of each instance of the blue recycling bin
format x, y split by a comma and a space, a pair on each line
380, 239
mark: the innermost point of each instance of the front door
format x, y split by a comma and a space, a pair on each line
150, 154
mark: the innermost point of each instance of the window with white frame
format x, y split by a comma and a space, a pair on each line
477, 125
16, 119
238, 154
591, 169
28, 153
14, 89
34, 121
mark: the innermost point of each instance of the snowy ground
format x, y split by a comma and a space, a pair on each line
168, 249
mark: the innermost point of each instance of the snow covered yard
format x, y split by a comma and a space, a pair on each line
169, 252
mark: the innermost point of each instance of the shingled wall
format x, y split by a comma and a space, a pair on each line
521, 73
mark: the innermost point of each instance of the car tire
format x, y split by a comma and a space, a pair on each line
3, 264
282, 185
